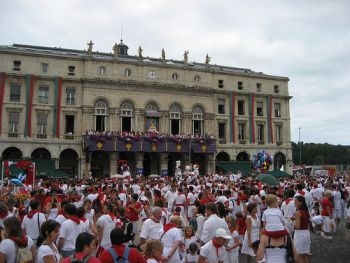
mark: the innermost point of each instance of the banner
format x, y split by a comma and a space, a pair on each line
24, 174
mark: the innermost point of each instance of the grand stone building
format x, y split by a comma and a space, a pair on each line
50, 98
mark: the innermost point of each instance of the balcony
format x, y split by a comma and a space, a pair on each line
222, 141
12, 134
69, 137
278, 142
41, 136
261, 142
242, 141
43, 99
70, 101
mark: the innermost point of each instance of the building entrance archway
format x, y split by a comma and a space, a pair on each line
69, 162
151, 163
242, 156
99, 165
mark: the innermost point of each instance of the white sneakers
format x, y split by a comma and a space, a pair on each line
326, 237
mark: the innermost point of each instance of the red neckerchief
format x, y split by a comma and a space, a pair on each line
112, 216
32, 213
217, 246
83, 219
154, 220
63, 213
21, 242
238, 202
193, 193
168, 226
288, 200
232, 230
75, 219
3, 215
301, 192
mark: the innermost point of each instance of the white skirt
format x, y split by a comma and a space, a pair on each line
302, 241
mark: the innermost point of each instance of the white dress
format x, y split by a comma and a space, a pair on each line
254, 237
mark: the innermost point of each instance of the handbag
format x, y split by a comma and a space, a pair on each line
290, 253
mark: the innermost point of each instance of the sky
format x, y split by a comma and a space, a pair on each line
307, 41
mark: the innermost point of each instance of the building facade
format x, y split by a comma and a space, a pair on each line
51, 97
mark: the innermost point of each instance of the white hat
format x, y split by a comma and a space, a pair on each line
222, 233
143, 198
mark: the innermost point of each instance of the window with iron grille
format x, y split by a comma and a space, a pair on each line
70, 96
241, 107
13, 122
259, 109
42, 122
221, 106
241, 131
277, 109
43, 94
15, 92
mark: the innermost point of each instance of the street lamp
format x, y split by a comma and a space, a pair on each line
299, 148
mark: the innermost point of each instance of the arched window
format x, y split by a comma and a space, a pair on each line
101, 113
127, 116
175, 76
175, 119
197, 78
197, 121
152, 116
127, 72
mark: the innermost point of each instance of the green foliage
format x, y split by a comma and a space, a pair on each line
318, 153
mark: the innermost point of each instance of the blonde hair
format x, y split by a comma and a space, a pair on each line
271, 200
151, 247
176, 220
231, 220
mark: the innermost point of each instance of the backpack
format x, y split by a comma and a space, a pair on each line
23, 255
83, 260
128, 230
193, 223
119, 259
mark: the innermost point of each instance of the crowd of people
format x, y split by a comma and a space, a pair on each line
192, 218
150, 133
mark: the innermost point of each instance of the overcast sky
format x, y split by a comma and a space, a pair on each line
305, 40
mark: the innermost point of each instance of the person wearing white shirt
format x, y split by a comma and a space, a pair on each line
152, 228
105, 224
47, 250
180, 201
191, 198
33, 220
4, 211
170, 197
212, 223
69, 231
171, 239
214, 251
8, 247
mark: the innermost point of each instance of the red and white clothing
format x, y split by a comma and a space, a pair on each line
107, 223
69, 231
191, 198
151, 230
180, 201
212, 253
32, 222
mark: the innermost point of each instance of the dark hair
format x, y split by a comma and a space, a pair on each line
70, 209
201, 209
117, 236
250, 207
193, 247
135, 196
80, 212
291, 193
13, 226
121, 210
83, 239
221, 210
46, 229
34, 204
301, 199
212, 208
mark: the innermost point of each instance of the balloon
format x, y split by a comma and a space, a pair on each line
16, 182
262, 161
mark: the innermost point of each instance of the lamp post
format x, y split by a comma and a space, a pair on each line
299, 148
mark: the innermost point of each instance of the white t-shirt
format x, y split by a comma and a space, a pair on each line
211, 225
92, 197
31, 225
212, 256
7, 247
60, 219
69, 231
169, 238
106, 222
2, 220
151, 230
274, 219
45, 250
151, 260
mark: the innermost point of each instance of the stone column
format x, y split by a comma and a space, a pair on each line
210, 164
139, 163
164, 164
113, 163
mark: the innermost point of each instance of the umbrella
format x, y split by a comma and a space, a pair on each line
118, 176
154, 176
278, 173
268, 179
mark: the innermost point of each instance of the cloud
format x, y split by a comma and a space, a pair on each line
307, 41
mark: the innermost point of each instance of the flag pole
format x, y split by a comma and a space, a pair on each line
2, 176
34, 172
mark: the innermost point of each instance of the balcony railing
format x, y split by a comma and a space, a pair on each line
68, 137
279, 142
12, 135
41, 135
43, 99
70, 101
222, 141
261, 142
242, 142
